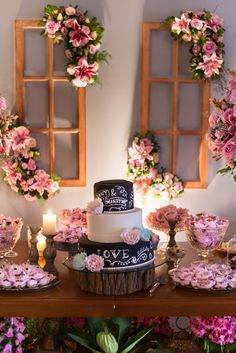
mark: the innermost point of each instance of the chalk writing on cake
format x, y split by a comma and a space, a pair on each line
115, 199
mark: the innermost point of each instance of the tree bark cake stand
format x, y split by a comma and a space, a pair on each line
115, 283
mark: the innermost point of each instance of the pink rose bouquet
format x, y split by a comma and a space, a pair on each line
222, 133
145, 172
74, 225
82, 35
218, 332
160, 218
12, 334
205, 32
18, 162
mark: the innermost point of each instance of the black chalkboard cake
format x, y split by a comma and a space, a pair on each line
117, 237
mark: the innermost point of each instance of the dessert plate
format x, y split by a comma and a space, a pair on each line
50, 285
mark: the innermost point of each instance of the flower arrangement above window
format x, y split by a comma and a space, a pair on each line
205, 32
82, 36
222, 134
18, 154
145, 172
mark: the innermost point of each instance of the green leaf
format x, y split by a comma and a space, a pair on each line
123, 324
85, 340
133, 340
96, 324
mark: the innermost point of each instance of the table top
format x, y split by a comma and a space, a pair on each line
68, 300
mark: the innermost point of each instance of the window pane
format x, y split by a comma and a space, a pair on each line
36, 53
66, 145
188, 157
36, 104
59, 60
189, 106
65, 105
165, 152
43, 145
161, 106
161, 53
184, 58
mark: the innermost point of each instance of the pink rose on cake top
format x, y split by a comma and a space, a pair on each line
115, 230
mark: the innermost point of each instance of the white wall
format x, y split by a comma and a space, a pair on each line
113, 108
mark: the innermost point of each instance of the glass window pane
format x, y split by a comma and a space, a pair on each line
66, 145
189, 106
43, 146
188, 157
161, 106
184, 58
161, 53
59, 60
165, 151
36, 53
65, 109
36, 104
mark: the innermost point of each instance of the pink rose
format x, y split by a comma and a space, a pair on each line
168, 176
94, 35
94, 263
196, 23
95, 207
70, 11
31, 164
187, 37
229, 151
131, 236
210, 47
52, 27
94, 48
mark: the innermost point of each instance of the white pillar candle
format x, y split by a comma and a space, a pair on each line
49, 223
41, 244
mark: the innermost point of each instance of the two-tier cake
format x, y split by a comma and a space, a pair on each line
116, 236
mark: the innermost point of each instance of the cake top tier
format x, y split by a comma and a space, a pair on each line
116, 194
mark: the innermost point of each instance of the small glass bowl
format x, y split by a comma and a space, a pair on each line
205, 240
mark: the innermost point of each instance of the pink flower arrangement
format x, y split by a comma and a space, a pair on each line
19, 163
222, 134
95, 207
204, 30
131, 236
70, 234
82, 35
145, 172
160, 218
218, 329
203, 275
206, 232
94, 263
12, 334
161, 324
74, 217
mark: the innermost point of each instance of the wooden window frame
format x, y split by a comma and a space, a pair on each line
80, 130
148, 79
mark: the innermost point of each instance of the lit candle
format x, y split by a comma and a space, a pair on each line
49, 223
41, 244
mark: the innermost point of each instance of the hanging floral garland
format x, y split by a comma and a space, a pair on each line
18, 153
222, 135
145, 171
205, 32
82, 36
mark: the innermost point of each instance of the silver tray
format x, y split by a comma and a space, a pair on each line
50, 285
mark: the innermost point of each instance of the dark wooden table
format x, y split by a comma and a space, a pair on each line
68, 300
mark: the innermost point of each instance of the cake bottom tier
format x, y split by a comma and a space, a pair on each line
115, 283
